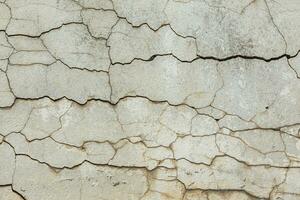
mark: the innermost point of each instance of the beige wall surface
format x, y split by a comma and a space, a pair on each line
149, 99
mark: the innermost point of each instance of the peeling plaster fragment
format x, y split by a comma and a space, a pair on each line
204, 125
57, 81
177, 82
128, 43
227, 174
25, 43
211, 111
36, 181
6, 193
7, 98
168, 163
60, 155
264, 140
196, 149
255, 147
178, 119
47, 151
165, 174
33, 17
139, 110
235, 123
140, 117
258, 84
74, 46
99, 153
14, 119
99, 22
44, 118
29, 51
138, 155
7, 164
28, 58
96, 121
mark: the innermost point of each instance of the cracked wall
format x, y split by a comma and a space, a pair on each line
149, 99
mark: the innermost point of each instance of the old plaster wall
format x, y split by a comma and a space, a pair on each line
149, 99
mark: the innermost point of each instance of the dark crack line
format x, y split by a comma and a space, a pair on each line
45, 32
287, 56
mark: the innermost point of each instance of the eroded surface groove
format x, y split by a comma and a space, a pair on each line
148, 99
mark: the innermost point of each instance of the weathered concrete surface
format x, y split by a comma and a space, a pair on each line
149, 100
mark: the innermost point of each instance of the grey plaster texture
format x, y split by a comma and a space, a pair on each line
149, 100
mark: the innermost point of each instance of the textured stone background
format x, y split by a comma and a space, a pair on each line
149, 99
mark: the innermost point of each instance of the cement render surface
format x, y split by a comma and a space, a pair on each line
149, 100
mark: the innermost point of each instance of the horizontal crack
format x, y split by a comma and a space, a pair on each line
199, 57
